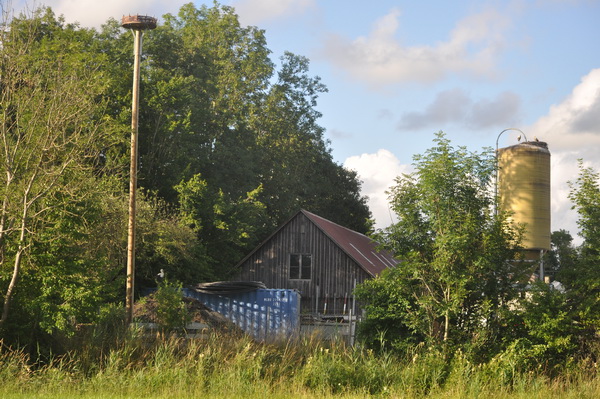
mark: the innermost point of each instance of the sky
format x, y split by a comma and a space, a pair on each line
400, 71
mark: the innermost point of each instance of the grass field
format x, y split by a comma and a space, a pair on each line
237, 367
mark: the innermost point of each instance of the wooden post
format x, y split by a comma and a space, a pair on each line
137, 24
133, 174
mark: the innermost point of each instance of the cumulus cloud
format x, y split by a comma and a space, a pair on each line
504, 110
448, 106
254, 12
377, 172
93, 13
572, 131
576, 120
456, 106
380, 59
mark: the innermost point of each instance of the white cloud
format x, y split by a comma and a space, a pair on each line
93, 13
504, 110
572, 131
255, 12
449, 106
380, 59
377, 172
570, 128
456, 106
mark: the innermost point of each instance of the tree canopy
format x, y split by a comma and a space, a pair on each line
582, 275
455, 279
229, 147
461, 284
53, 132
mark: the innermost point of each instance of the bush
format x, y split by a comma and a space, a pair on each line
171, 312
551, 328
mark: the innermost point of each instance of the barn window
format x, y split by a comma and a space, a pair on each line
300, 266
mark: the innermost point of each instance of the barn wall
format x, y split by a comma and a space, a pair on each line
333, 275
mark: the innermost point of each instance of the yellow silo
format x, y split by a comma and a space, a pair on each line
524, 190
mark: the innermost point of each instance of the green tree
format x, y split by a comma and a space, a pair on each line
67, 275
455, 280
293, 153
225, 226
560, 262
205, 78
551, 333
168, 242
583, 280
213, 105
52, 132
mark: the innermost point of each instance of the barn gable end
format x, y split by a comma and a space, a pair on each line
322, 260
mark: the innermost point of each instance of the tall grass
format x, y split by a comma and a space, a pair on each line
138, 366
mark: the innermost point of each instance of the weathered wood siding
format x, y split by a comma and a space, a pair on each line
333, 275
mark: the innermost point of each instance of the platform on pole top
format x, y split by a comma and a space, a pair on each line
139, 22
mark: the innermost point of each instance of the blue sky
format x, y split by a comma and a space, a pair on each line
398, 71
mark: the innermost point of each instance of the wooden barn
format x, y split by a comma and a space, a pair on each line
321, 259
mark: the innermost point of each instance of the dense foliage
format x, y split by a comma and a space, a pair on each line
229, 145
454, 283
53, 131
579, 269
461, 285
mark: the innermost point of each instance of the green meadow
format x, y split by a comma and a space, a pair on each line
139, 366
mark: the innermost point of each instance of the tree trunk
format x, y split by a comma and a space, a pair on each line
17, 266
446, 326
11, 286
3, 226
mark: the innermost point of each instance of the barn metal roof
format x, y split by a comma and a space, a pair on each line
362, 249
358, 246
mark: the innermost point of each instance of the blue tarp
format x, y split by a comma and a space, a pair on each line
262, 313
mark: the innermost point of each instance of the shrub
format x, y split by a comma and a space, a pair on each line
171, 312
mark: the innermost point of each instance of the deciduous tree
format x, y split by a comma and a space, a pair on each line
583, 283
455, 278
52, 134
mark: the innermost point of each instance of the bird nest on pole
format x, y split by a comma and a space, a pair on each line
138, 22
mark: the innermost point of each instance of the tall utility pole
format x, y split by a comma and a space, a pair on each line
137, 24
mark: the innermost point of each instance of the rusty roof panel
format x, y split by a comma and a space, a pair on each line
358, 246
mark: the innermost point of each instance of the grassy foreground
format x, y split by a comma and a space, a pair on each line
237, 367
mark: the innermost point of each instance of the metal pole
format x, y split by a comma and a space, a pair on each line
133, 174
542, 270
